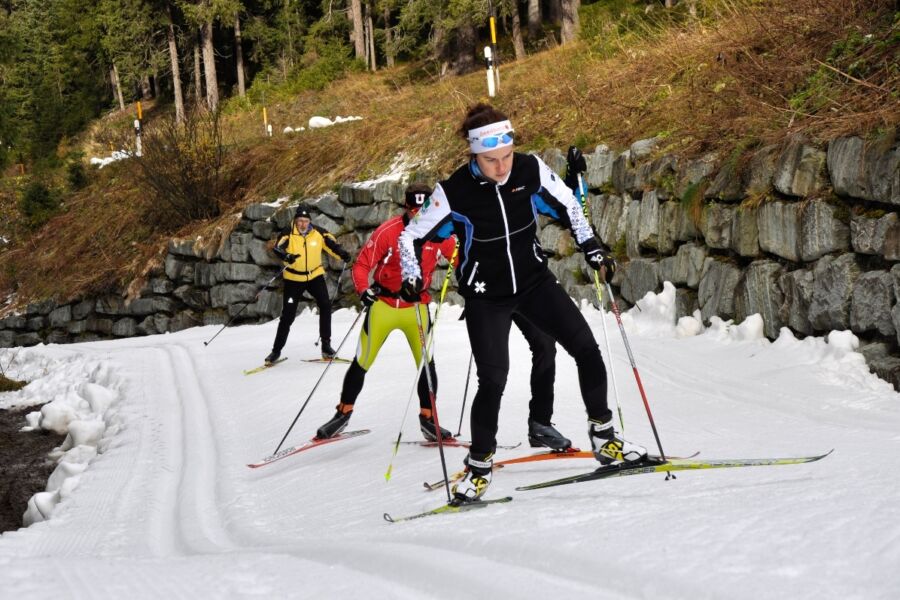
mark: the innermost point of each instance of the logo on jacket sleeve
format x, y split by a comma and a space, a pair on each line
480, 287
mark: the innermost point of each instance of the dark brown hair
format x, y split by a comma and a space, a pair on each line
478, 116
418, 188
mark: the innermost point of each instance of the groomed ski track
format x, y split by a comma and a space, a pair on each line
171, 510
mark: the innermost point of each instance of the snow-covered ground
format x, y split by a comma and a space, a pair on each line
167, 508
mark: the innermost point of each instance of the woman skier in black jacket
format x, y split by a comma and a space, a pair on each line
491, 204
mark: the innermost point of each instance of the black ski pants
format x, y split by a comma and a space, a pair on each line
543, 369
551, 310
293, 292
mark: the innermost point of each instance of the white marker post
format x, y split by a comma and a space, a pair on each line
138, 148
489, 65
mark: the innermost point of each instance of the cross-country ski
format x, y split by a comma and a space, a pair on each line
313, 443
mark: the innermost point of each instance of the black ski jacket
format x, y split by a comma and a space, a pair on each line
496, 224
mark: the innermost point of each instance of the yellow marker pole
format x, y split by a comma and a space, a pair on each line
493, 22
265, 121
138, 147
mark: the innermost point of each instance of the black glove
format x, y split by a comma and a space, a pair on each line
575, 164
411, 289
280, 252
289, 258
370, 296
345, 256
598, 259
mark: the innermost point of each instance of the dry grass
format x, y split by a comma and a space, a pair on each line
754, 72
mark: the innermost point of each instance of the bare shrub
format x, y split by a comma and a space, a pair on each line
183, 165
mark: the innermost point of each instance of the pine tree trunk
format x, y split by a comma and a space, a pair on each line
117, 86
176, 70
570, 23
198, 77
146, 90
518, 42
358, 36
370, 29
388, 38
239, 57
554, 11
466, 37
534, 19
209, 66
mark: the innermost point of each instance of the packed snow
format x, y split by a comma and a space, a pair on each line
319, 122
106, 160
152, 496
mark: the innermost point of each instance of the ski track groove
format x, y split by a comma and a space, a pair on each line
197, 511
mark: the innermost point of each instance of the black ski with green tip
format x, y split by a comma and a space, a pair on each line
657, 465
450, 508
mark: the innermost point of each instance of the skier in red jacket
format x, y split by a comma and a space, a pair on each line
380, 257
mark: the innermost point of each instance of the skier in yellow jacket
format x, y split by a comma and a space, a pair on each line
301, 250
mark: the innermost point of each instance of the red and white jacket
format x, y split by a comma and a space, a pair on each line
381, 253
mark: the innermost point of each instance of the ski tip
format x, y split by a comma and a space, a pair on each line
388, 518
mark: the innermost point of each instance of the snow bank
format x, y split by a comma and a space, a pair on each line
115, 156
833, 357
319, 122
81, 393
654, 314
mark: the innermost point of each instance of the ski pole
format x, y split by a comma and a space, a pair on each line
387, 474
337, 290
465, 393
434, 414
637, 376
255, 297
321, 377
599, 290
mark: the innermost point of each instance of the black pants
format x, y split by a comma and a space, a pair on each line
549, 308
543, 369
293, 292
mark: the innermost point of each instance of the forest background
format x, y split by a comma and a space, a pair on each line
703, 75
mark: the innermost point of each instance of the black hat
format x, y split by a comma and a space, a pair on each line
416, 194
301, 211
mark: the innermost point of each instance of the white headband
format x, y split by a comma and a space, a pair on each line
479, 134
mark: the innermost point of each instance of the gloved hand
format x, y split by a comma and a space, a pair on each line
289, 258
575, 165
345, 256
370, 295
575, 162
411, 289
598, 259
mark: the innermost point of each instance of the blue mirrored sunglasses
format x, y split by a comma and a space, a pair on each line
494, 140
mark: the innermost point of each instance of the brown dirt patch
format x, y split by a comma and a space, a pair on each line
24, 465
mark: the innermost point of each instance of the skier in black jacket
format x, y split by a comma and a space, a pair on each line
491, 203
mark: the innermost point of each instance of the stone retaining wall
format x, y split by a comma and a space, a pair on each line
807, 237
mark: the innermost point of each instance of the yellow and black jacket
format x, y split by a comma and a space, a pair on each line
308, 248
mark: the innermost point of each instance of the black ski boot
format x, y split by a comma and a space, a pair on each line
327, 351
540, 435
273, 357
429, 431
337, 423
